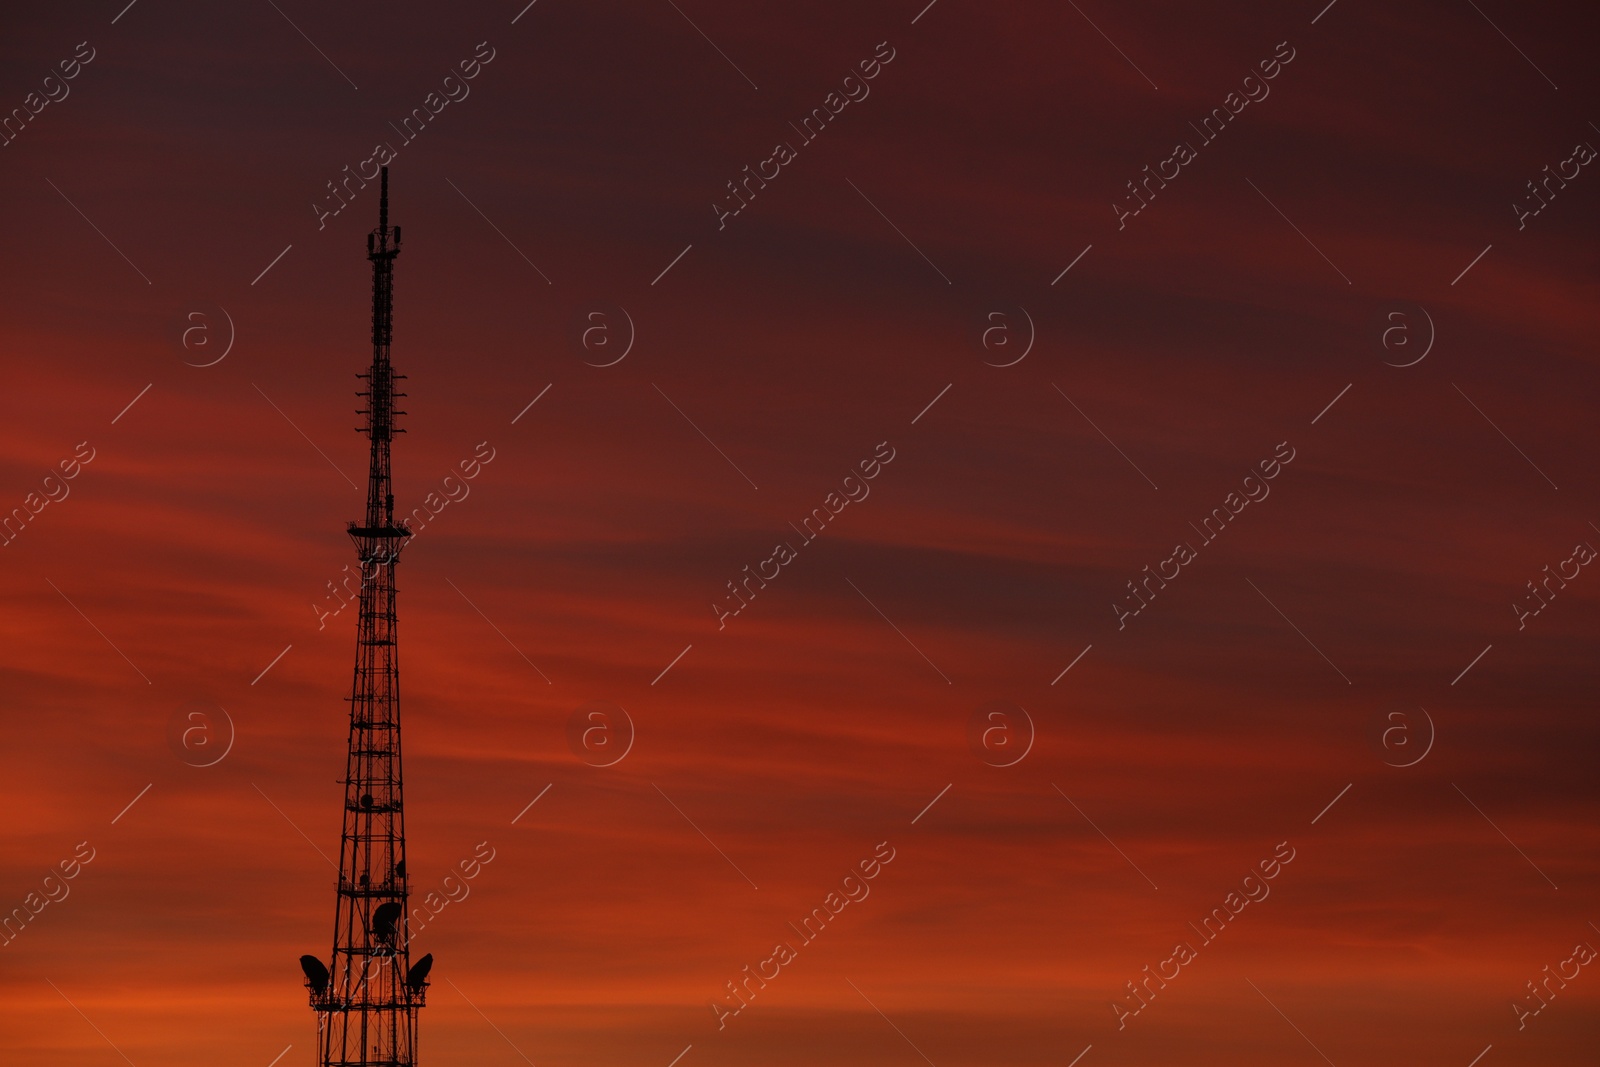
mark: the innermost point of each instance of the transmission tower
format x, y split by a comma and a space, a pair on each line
367, 1000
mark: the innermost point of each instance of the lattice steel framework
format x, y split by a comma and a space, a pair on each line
367, 1001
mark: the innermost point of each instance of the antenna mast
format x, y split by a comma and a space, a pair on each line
367, 1001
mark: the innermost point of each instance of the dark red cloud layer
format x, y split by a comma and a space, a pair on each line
1368, 606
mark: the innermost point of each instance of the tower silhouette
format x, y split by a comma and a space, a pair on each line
367, 1000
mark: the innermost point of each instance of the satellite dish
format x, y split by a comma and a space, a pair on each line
316, 974
417, 977
384, 919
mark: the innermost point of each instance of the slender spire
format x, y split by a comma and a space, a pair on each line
383, 245
367, 1000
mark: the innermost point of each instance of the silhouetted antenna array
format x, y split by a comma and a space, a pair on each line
367, 1001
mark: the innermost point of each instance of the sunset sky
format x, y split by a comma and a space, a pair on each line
1344, 328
